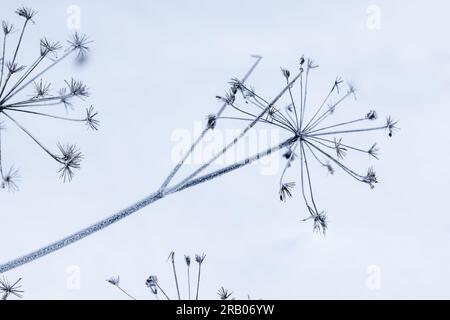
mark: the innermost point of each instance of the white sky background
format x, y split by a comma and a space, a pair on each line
156, 67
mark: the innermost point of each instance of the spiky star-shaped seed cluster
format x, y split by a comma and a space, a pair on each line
7, 288
15, 78
311, 138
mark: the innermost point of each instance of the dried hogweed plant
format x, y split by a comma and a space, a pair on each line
308, 138
40, 101
157, 290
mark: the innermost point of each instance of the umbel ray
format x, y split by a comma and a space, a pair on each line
308, 139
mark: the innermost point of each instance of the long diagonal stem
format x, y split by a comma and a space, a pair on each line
81, 234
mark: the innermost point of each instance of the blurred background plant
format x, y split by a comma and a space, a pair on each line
40, 101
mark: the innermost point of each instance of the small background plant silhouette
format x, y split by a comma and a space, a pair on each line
153, 284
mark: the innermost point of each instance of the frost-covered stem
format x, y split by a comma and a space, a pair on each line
262, 120
198, 279
321, 106
164, 293
36, 101
15, 55
1, 164
337, 125
189, 281
31, 136
55, 246
345, 131
305, 95
344, 145
343, 167
129, 295
202, 135
3, 60
25, 75
172, 255
20, 41
309, 179
288, 163
324, 115
26, 84
46, 115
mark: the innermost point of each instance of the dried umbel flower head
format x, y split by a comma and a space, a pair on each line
224, 294
114, 280
7, 288
16, 78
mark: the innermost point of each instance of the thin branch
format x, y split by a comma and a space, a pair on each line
202, 135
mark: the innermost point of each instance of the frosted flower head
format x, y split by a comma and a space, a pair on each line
114, 280
26, 13
187, 259
41, 89
372, 115
91, 119
200, 258
286, 190
371, 178
70, 159
152, 284
49, 47
80, 44
224, 294
10, 180
7, 28
285, 73
320, 223
7, 288
211, 121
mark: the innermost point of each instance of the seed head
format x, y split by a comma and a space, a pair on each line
390, 126
188, 260
7, 28
115, 281
41, 89
285, 73
223, 293
91, 121
10, 180
152, 284
7, 289
49, 47
70, 159
374, 151
320, 223
200, 258
211, 121
371, 178
27, 13
79, 42
285, 190
340, 150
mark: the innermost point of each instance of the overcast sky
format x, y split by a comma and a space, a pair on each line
154, 70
